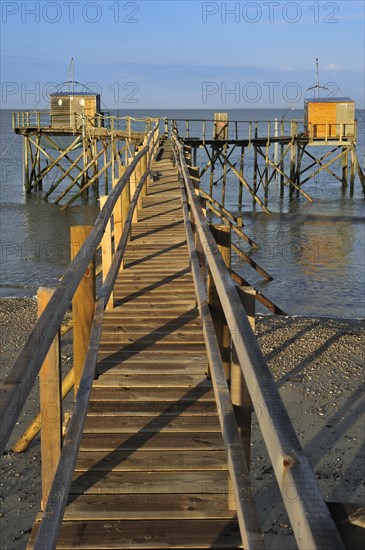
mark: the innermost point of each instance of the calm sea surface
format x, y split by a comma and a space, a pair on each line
315, 251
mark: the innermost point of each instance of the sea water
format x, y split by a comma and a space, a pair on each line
315, 251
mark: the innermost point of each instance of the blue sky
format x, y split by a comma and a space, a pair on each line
182, 54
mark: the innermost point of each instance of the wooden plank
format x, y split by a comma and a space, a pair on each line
153, 356
130, 337
152, 424
166, 441
124, 393
125, 483
166, 349
151, 381
111, 326
120, 408
155, 534
148, 507
153, 368
150, 461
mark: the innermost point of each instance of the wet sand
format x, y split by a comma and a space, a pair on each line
318, 365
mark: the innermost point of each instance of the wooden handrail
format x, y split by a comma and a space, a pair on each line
311, 521
19, 382
249, 523
52, 518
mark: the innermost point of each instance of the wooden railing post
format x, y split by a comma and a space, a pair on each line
240, 395
194, 175
222, 235
83, 304
139, 172
133, 185
50, 405
144, 164
107, 251
118, 209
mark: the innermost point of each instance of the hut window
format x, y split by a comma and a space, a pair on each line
82, 102
60, 102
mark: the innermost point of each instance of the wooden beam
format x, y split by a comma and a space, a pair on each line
222, 235
35, 426
289, 180
106, 251
264, 300
83, 304
251, 262
50, 405
240, 395
248, 187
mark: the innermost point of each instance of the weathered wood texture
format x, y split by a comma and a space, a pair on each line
152, 449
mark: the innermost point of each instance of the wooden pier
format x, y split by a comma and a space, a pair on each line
155, 452
249, 157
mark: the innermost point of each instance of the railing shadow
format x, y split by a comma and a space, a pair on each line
157, 230
148, 340
157, 284
158, 215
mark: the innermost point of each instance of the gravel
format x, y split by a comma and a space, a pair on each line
318, 365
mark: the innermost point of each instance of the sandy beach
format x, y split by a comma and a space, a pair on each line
318, 367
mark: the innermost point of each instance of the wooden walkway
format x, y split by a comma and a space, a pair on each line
152, 471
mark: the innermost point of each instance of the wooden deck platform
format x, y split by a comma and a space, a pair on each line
151, 471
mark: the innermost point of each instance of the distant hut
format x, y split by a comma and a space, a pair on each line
69, 109
330, 118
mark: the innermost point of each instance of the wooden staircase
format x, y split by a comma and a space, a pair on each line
152, 471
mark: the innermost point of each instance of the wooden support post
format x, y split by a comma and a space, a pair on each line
222, 235
282, 160
198, 244
255, 166
50, 405
26, 164
38, 169
133, 185
144, 166
126, 201
94, 155
345, 166
240, 396
194, 175
211, 177
119, 217
267, 172
240, 185
85, 160
352, 169
293, 168
83, 304
139, 174
106, 179
224, 181
107, 251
